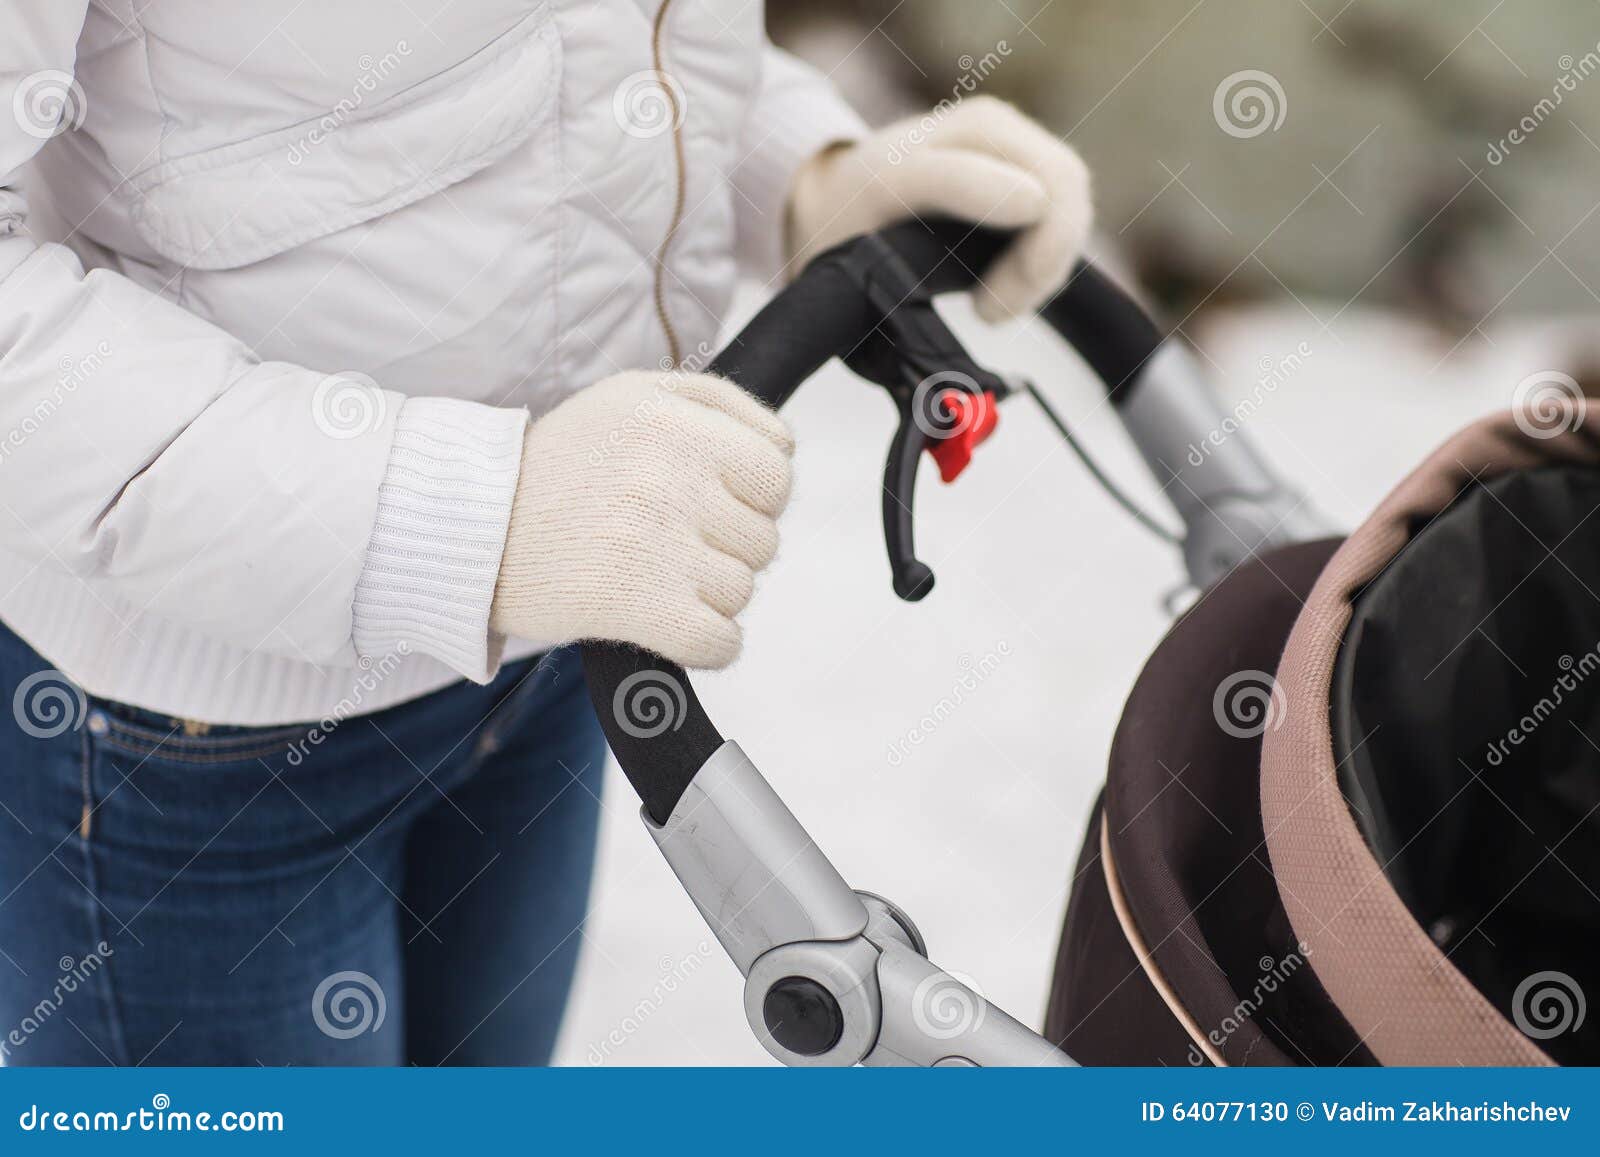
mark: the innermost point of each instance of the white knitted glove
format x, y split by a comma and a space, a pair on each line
981, 161
645, 506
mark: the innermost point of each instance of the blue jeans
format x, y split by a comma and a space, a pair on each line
406, 888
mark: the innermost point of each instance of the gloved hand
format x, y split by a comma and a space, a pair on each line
981, 161
645, 506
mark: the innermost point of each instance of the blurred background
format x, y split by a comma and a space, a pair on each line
1397, 201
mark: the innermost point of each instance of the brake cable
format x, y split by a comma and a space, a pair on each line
1117, 494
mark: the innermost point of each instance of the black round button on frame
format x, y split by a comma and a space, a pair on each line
802, 1016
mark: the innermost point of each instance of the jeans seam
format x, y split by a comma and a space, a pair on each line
110, 1008
246, 735
135, 733
163, 753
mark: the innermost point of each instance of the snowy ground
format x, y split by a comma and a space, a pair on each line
1047, 603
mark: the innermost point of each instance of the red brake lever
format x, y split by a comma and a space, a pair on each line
973, 417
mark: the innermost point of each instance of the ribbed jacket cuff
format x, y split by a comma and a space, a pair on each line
796, 116
443, 508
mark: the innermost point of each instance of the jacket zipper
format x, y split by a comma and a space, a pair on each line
657, 32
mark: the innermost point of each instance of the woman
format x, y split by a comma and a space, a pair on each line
318, 438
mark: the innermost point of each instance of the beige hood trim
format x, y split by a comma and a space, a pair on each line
1401, 994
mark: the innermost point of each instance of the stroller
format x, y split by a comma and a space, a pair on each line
1386, 844
1313, 890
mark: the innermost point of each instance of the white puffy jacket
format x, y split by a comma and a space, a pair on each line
260, 413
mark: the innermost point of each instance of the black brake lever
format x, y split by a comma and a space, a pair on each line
912, 354
912, 578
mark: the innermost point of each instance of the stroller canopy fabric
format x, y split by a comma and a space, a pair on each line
1431, 799
1352, 814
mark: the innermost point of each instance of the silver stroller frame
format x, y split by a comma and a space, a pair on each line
836, 976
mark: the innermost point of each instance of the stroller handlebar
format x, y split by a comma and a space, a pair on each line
834, 976
867, 302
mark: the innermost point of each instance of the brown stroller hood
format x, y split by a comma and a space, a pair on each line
1352, 814
1406, 765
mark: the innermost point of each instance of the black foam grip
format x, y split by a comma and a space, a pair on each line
1106, 326
652, 718
653, 721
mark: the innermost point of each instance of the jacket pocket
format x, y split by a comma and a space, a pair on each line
251, 200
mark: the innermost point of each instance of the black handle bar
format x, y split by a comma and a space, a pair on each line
652, 718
